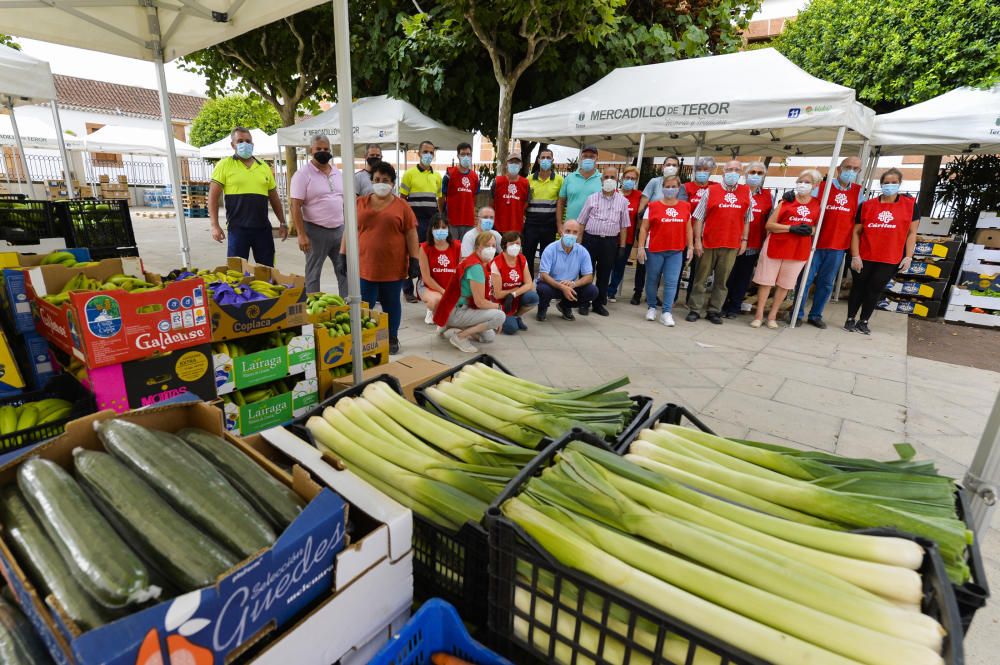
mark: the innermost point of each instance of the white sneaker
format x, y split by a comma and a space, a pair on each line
486, 336
651, 314
429, 317
461, 343
667, 319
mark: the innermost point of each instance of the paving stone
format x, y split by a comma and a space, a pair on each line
801, 371
881, 389
780, 419
756, 383
844, 405
872, 365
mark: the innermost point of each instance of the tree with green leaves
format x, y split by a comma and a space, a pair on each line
218, 116
7, 40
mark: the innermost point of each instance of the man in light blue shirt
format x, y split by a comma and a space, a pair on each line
566, 273
578, 185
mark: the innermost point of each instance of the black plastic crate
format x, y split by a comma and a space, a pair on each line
643, 404
970, 596
559, 596
100, 253
25, 222
13, 197
62, 386
96, 224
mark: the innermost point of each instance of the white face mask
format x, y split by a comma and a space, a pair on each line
609, 185
669, 170
382, 189
513, 250
487, 253
803, 188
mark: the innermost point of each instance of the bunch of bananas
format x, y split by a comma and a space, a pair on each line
65, 259
81, 282
345, 370
340, 325
17, 418
234, 349
318, 302
257, 393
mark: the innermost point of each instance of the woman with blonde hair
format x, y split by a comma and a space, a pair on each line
465, 310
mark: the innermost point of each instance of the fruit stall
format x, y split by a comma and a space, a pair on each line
196, 480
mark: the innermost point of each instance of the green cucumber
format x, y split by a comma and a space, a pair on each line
36, 553
19, 645
275, 501
188, 481
97, 556
188, 558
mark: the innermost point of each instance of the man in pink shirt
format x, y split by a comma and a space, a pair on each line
318, 214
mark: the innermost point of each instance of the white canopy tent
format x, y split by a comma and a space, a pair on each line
135, 141
27, 80
34, 134
965, 120
265, 146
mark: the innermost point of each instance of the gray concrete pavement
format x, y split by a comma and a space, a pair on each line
830, 390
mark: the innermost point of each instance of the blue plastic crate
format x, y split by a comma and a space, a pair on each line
435, 627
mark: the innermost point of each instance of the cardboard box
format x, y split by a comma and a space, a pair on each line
934, 290
37, 366
988, 220
927, 309
930, 269
940, 249
971, 280
286, 311
110, 327
410, 371
11, 381
988, 238
16, 302
258, 597
252, 369
930, 226
334, 352
965, 307
273, 411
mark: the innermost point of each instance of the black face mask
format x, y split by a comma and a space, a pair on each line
322, 156
372, 161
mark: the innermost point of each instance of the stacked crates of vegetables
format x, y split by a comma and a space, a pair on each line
42, 414
334, 343
603, 559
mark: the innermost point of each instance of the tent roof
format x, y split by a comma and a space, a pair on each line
35, 133
264, 146
132, 29
134, 140
24, 79
382, 120
758, 102
963, 120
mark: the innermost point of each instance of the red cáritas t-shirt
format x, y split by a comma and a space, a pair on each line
668, 226
884, 228
724, 217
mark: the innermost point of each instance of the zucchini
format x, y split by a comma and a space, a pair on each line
275, 501
188, 558
19, 645
188, 481
97, 556
48, 571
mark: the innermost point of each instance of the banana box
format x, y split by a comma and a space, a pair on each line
286, 309
334, 345
108, 326
926, 310
35, 360
937, 248
933, 290
270, 405
278, 355
11, 381
16, 303
928, 267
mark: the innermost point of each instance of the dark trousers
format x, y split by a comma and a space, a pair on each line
603, 254
738, 282
547, 293
423, 222
866, 289
537, 236
639, 284
387, 295
260, 240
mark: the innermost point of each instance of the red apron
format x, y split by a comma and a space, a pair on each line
443, 263
724, 217
461, 197
454, 291
789, 245
509, 202
762, 204
510, 278
838, 222
884, 228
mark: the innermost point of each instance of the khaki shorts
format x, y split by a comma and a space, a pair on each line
780, 272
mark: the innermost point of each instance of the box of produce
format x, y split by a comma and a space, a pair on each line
251, 361
16, 303
26, 222
42, 414
156, 537
912, 288
102, 225
930, 268
600, 558
980, 284
11, 381
334, 346
925, 309
35, 359
409, 371
114, 312
936, 247
988, 238
532, 414
978, 308
271, 404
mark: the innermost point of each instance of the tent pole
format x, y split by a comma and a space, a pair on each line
172, 165
342, 45
982, 480
397, 153
872, 165
20, 149
67, 172
642, 149
800, 292
835, 296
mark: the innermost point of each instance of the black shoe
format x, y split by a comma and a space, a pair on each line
713, 317
412, 298
635, 299
863, 328
520, 324
584, 310
819, 323
567, 312
850, 325
730, 315
393, 346
540, 315
692, 317
600, 310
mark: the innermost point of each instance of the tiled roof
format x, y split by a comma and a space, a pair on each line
129, 100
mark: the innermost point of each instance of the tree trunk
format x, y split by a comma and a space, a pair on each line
526, 148
928, 183
287, 115
504, 120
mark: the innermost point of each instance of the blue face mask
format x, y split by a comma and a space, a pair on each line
848, 176
513, 168
465, 161
568, 240
755, 180
628, 184
815, 191
440, 234
244, 150
670, 192
701, 177
486, 223
890, 189
730, 178
545, 164
426, 158
587, 164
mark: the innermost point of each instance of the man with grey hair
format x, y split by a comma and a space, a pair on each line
363, 178
742, 273
317, 196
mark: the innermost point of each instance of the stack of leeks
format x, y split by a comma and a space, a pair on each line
813, 488
436, 468
786, 592
526, 412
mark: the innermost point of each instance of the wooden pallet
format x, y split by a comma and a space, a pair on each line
155, 214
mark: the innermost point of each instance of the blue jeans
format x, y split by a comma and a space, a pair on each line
823, 272
260, 240
388, 295
667, 265
618, 273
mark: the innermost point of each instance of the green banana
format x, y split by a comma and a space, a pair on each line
8, 419
28, 417
56, 415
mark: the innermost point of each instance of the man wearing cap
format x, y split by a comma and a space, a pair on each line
605, 222
580, 184
510, 197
